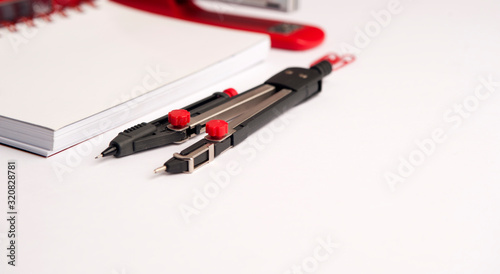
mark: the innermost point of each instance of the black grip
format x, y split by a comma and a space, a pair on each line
124, 141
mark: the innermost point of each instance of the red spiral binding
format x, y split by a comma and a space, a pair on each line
24, 11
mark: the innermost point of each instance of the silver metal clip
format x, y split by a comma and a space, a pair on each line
190, 157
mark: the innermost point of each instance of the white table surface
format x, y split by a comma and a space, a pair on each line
309, 192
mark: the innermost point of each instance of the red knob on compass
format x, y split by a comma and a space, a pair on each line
179, 117
230, 91
216, 128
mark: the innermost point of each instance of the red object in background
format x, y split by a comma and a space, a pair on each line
216, 128
179, 117
284, 35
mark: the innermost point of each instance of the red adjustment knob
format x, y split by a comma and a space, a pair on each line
179, 117
216, 128
231, 92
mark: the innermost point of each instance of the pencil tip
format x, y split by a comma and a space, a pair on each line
98, 156
111, 150
162, 168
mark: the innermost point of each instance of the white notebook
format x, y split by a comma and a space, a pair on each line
68, 80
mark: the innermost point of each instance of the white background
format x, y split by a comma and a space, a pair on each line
317, 174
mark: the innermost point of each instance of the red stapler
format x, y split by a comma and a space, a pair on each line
284, 35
